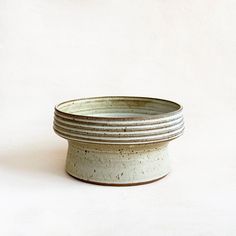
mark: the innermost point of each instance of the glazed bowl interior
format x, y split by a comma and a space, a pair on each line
113, 107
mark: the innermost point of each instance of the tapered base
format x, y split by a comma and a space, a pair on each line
117, 165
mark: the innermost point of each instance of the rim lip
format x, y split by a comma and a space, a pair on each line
130, 118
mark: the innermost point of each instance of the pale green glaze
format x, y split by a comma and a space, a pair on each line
117, 164
118, 140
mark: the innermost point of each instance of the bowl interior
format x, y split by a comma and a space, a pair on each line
114, 107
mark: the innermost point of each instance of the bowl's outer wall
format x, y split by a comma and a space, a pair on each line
161, 120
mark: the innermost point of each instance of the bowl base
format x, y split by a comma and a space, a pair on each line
117, 164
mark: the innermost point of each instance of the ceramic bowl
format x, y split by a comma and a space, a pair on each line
118, 140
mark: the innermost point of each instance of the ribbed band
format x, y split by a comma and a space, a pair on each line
119, 120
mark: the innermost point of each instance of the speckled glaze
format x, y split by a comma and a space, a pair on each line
118, 140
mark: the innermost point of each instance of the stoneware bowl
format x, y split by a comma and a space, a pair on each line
118, 140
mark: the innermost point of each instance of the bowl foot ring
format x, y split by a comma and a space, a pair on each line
118, 184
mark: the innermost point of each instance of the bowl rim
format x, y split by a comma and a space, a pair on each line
123, 118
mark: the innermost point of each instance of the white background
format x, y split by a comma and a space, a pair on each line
55, 50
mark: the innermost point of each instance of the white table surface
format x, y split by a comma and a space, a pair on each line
53, 51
